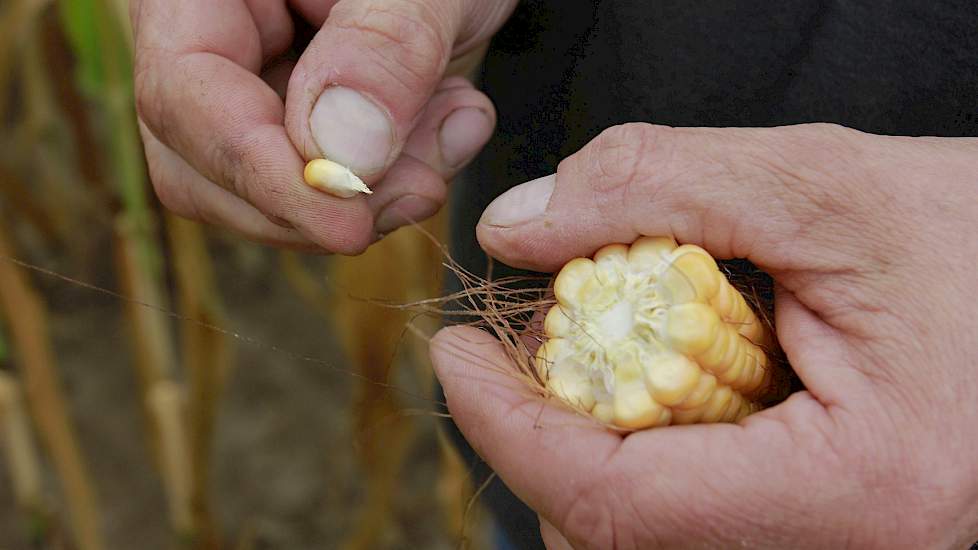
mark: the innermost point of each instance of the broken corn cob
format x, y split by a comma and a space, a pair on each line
651, 335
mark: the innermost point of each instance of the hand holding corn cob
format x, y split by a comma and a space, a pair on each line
871, 242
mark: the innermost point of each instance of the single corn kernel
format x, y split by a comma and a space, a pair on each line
557, 323
565, 378
653, 334
334, 178
703, 390
733, 308
672, 379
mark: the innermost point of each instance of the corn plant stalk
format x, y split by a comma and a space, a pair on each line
18, 443
149, 331
24, 203
167, 405
453, 488
104, 75
206, 359
16, 19
43, 135
368, 335
372, 336
27, 321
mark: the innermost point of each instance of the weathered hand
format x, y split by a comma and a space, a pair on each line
872, 243
228, 125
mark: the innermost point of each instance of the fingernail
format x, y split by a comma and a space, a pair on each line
462, 134
520, 204
351, 130
407, 209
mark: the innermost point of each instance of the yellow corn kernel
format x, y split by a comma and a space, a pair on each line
604, 412
690, 416
701, 393
747, 372
575, 281
334, 178
648, 253
691, 328
733, 308
634, 408
565, 379
611, 253
717, 404
572, 387
696, 269
673, 379
760, 378
632, 405
557, 322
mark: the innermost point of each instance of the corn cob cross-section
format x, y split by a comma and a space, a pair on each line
651, 335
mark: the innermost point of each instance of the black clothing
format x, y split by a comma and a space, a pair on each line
561, 71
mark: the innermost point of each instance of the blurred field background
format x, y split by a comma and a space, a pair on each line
127, 421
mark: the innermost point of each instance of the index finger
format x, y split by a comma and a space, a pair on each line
546, 455
198, 92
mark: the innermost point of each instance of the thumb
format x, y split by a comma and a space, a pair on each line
762, 194
364, 81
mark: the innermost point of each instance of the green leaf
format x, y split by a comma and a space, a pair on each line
98, 42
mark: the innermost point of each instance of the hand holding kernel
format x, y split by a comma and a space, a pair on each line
870, 242
229, 116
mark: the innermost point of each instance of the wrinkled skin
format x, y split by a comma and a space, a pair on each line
872, 245
226, 118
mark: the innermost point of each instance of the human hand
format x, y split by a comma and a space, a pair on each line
228, 125
871, 242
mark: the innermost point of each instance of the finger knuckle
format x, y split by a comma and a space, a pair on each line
146, 92
612, 511
173, 189
171, 195
410, 36
621, 155
153, 106
229, 154
589, 520
830, 130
